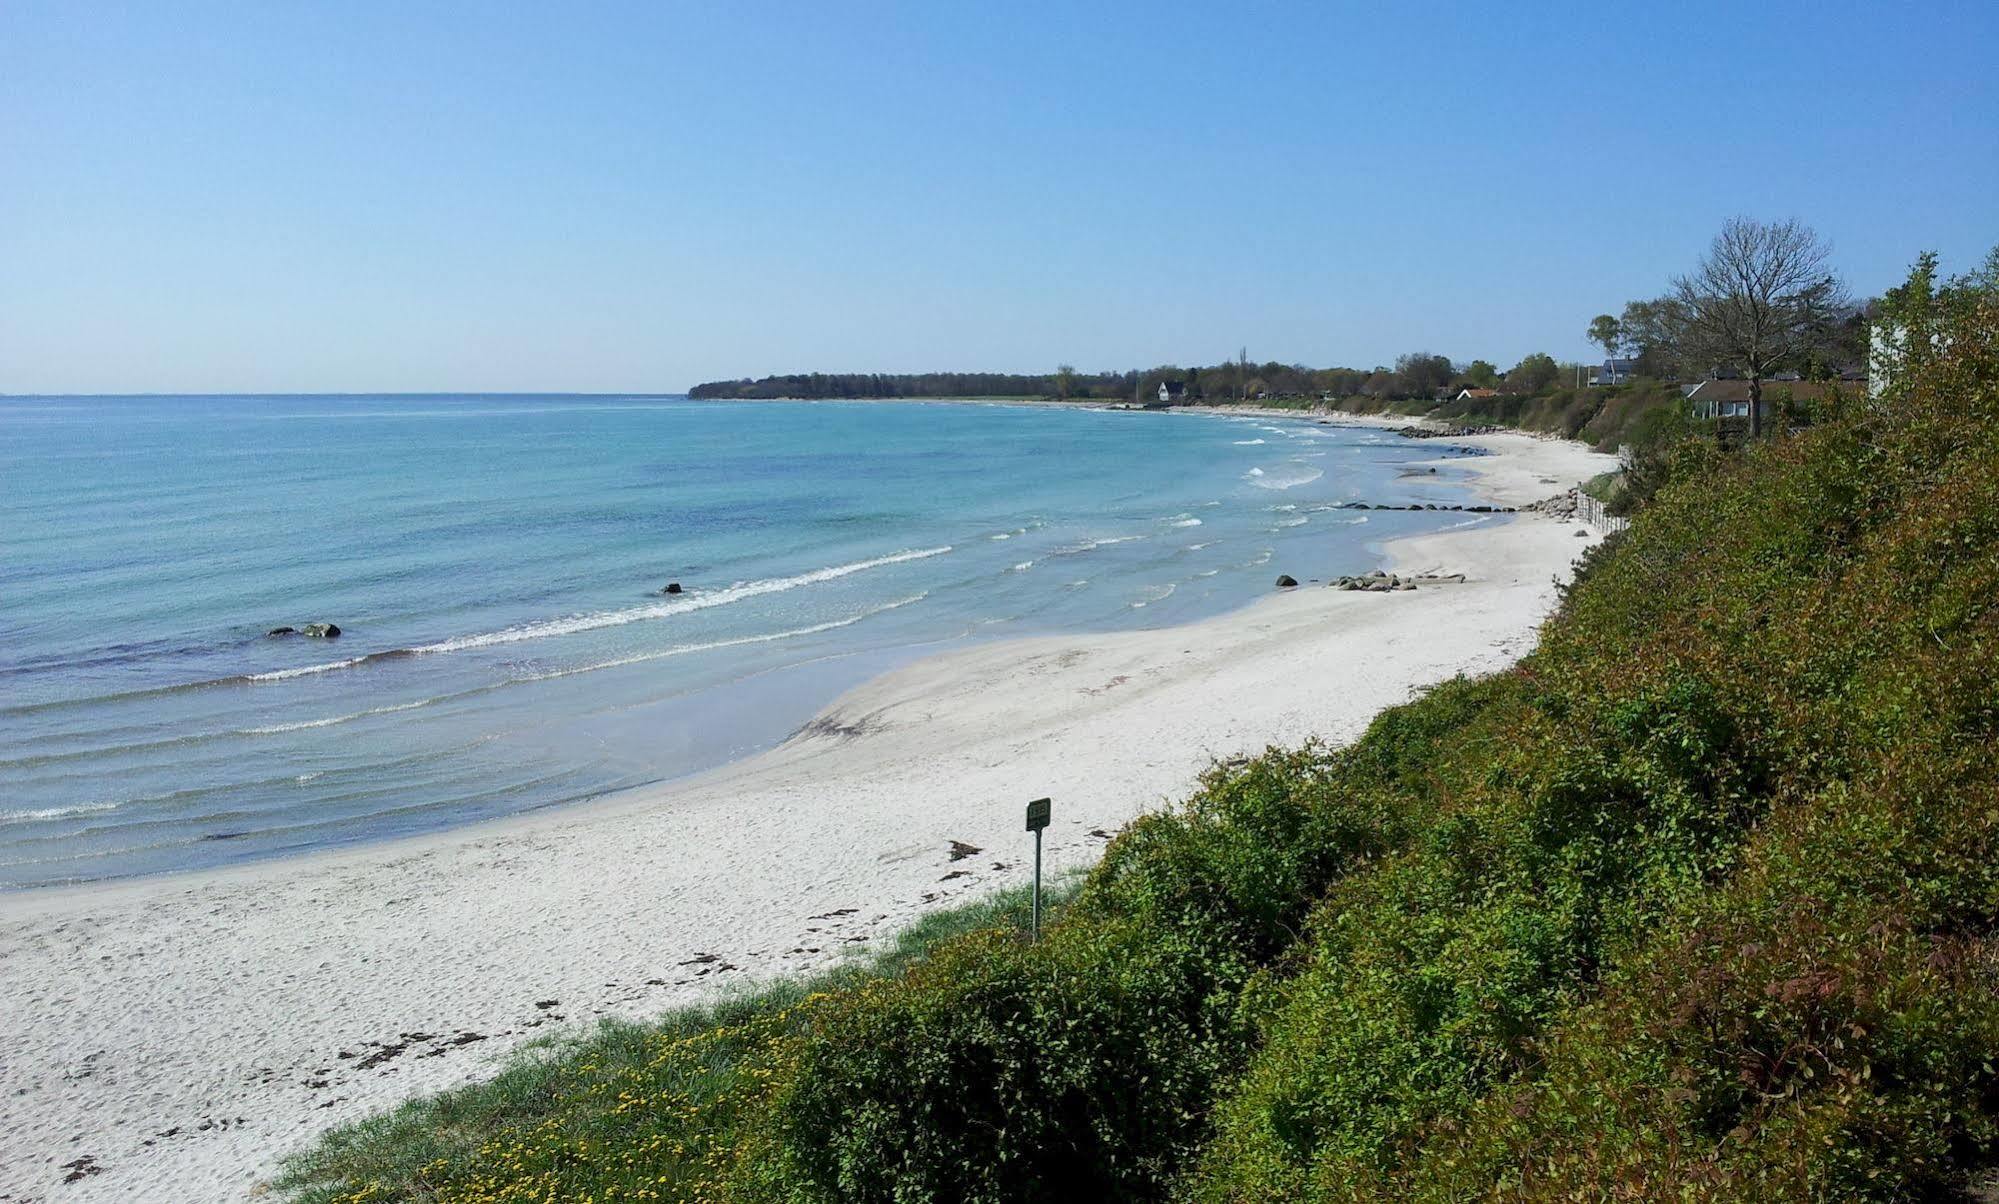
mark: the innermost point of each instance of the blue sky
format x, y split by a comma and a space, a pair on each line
637, 197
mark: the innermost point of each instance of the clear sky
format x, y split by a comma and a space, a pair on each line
353, 196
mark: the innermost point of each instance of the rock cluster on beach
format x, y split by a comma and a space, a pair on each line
1562, 505
1378, 582
323, 631
1449, 432
1432, 506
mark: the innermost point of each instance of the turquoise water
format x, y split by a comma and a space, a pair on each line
495, 564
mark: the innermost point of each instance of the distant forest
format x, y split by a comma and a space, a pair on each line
1222, 382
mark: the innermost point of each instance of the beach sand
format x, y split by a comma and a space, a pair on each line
174, 1038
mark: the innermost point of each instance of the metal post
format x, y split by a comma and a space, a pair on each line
1037, 819
1037, 884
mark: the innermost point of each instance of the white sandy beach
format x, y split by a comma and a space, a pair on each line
181, 1035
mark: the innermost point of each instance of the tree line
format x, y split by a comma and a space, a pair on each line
1417, 374
1761, 304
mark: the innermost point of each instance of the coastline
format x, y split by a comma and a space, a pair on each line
333, 960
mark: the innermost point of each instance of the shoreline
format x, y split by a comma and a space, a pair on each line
192, 1029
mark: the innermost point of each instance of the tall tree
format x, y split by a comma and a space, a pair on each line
1652, 335
1759, 299
1481, 375
1532, 374
1421, 373
1065, 376
1605, 332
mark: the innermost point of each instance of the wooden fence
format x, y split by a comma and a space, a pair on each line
1591, 511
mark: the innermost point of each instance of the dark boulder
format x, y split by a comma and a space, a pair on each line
672, 587
1286, 581
324, 631
282, 631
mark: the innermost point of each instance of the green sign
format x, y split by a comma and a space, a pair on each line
1037, 814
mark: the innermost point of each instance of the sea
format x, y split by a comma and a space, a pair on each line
496, 564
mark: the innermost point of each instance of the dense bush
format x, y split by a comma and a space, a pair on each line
1697, 902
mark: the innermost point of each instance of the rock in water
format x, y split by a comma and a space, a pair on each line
325, 631
1286, 581
282, 631
672, 587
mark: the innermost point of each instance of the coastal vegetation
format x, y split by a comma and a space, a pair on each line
1697, 901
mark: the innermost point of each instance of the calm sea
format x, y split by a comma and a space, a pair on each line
495, 564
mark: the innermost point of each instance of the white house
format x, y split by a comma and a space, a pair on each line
1730, 398
1171, 391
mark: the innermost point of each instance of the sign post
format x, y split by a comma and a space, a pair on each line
1037, 819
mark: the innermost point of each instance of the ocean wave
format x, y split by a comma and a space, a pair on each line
1186, 520
737, 642
1250, 442
1157, 593
682, 604
11, 817
1022, 567
548, 628
1299, 521
1195, 547
1290, 478
1091, 545
332, 720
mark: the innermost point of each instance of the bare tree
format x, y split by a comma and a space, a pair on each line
1758, 300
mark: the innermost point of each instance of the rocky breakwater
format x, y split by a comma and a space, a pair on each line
1449, 432
1431, 506
1379, 582
1562, 506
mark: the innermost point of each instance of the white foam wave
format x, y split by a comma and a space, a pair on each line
1250, 442
1091, 545
1157, 593
1299, 474
307, 670
332, 720
682, 604
1300, 521
1188, 522
737, 642
1022, 567
8, 817
1195, 547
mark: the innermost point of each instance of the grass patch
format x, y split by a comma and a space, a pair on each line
627, 1111
1605, 487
